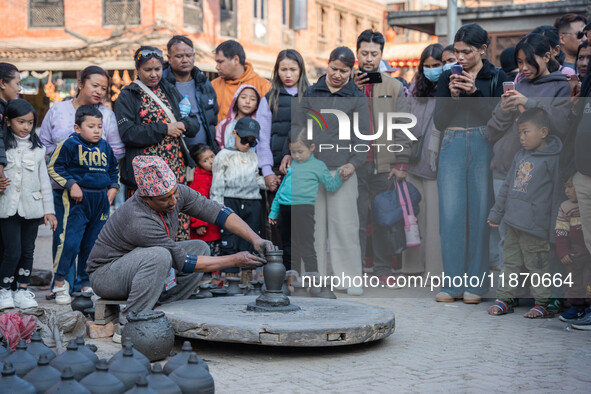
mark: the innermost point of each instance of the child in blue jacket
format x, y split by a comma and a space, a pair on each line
85, 166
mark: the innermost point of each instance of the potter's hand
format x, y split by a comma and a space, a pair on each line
263, 246
248, 260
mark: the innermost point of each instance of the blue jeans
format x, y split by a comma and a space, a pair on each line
497, 235
465, 188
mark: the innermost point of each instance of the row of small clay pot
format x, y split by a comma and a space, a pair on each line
23, 373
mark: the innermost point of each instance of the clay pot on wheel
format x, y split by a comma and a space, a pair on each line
151, 333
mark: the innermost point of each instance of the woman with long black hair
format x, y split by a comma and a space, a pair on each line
464, 179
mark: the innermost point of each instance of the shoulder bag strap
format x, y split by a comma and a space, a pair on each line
167, 111
150, 93
402, 205
407, 194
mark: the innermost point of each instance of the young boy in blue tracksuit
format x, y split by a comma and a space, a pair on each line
85, 166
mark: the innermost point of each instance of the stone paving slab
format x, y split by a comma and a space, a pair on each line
435, 348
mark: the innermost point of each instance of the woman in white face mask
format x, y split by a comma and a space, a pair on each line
448, 57
422, 169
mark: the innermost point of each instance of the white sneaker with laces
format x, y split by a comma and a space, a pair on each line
24, 298
62, 294
6, 300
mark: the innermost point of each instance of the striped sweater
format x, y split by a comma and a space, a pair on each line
236, 175
569, 232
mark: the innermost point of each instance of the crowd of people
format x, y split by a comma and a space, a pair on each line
215, 173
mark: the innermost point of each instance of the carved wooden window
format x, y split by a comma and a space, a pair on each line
121, 12
46, 13
193, 15
228, 20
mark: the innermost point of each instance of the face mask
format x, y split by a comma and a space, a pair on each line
448, 66
432, 74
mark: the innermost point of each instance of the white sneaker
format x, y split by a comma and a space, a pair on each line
24, 298
355, 291
6, 300
117, 333
62, 294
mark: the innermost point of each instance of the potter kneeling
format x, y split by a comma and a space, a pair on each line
135, 251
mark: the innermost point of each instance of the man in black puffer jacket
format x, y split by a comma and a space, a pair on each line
189, 80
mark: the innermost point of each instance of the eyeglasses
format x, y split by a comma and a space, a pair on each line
147, 54
246, 141
579, 34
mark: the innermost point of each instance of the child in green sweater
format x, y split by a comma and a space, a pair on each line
295, 200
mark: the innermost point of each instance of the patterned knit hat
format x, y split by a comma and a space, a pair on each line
153, 176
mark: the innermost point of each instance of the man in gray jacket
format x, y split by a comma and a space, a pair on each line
135, 251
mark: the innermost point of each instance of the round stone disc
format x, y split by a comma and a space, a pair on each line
319, 322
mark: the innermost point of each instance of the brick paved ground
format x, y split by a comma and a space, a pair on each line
435, 348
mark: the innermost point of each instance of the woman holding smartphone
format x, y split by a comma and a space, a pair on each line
462, 109
543, 85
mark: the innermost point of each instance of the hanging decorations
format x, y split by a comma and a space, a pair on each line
37, 75
50, 89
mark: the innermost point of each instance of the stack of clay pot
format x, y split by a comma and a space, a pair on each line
36, 369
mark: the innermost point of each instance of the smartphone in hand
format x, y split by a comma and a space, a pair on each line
457, 69
508, 86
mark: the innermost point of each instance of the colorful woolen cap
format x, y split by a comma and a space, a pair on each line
153, 176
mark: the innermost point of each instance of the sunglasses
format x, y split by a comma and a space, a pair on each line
581, 34
246, 141
148, 54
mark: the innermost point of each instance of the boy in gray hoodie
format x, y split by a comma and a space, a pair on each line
528, 202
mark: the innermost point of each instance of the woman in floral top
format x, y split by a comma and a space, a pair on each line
146, 129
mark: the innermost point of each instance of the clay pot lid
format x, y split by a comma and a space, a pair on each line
22, 345
72, 345
43, 360
8, 369
67, 374
102, 365
157, 369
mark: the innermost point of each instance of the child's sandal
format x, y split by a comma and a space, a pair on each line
543, 313
503, 308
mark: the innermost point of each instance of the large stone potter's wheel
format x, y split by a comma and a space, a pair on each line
320, 322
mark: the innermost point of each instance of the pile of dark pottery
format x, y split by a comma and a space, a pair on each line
35, 368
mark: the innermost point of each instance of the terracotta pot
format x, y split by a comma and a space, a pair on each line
151, 333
